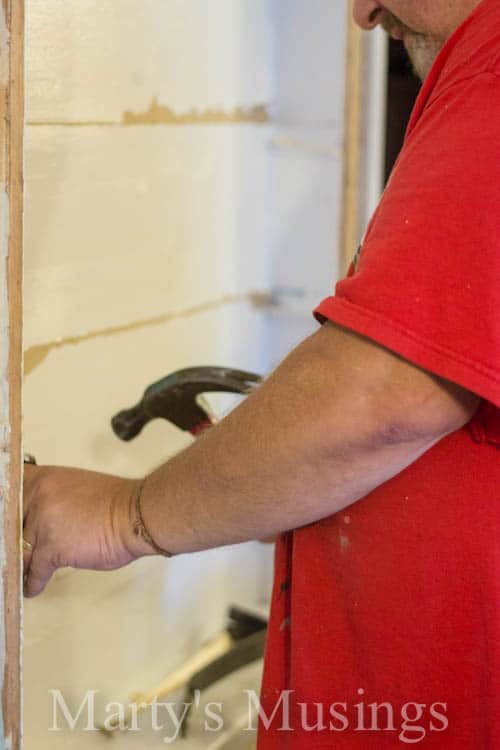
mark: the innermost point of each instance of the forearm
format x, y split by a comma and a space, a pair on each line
294, 452
340, 416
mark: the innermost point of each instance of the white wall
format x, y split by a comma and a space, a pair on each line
305, 161
155, 246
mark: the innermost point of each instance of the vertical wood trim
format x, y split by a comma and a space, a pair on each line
11, 218
374, 123
352, 143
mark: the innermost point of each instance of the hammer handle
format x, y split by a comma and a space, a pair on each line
217, 647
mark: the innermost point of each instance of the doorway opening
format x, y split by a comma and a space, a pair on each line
402, 91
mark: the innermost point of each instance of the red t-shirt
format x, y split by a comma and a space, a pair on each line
395, 600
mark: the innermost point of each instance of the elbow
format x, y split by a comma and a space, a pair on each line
429, 415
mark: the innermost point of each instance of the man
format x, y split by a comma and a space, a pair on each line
384, 620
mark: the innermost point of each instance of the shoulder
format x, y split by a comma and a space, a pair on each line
472, 54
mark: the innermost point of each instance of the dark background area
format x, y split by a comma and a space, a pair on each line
403, 89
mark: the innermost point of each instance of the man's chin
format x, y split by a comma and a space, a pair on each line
422, 53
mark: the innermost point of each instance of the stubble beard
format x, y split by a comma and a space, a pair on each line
422, 52
422, 49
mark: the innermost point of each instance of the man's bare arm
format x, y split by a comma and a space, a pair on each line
340, 416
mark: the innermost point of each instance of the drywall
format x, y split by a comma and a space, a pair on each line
183, 172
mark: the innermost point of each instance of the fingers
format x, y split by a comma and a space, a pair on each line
37, 568
27, 554
37, 571
38, 554
28, 543
28, 538
38, 574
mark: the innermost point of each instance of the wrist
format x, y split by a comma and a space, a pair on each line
133, 544
141, 541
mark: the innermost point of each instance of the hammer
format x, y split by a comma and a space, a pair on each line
241, 643
177, 398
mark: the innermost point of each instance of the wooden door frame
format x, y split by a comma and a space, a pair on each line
11, 233
364, 134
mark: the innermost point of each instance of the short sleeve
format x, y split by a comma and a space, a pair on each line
428, 277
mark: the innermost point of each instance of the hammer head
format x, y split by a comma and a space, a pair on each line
174, 398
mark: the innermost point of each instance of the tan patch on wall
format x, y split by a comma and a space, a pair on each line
35, 355
159, 114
